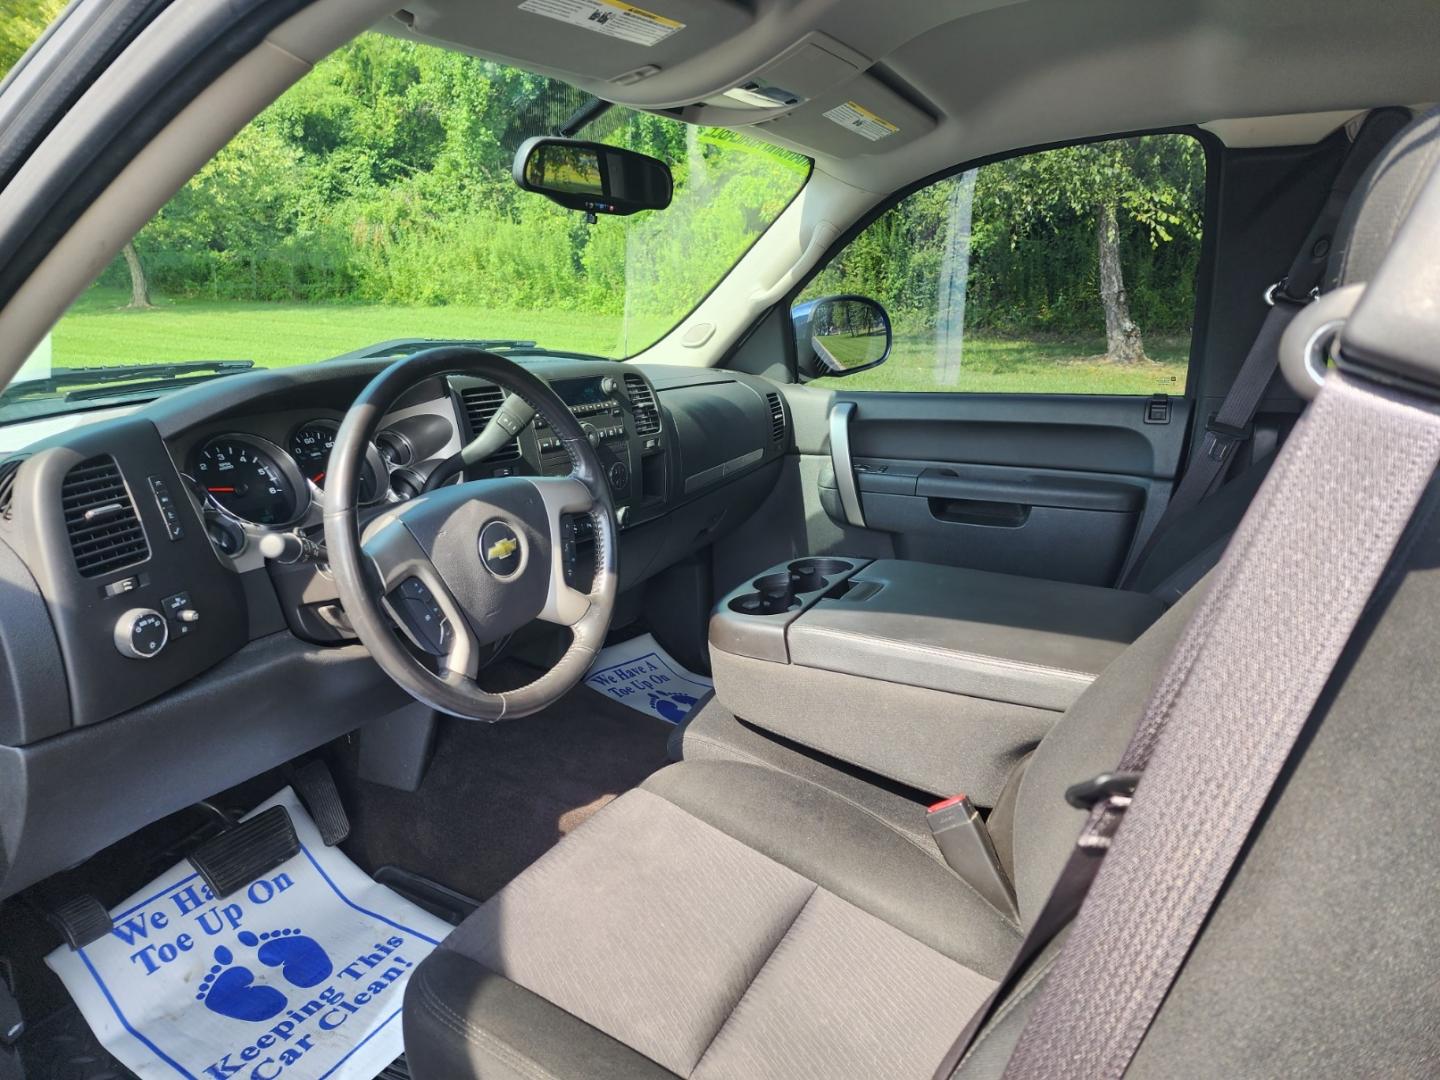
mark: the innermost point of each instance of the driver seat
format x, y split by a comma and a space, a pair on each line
726, 919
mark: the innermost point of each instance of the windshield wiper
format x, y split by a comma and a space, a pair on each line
139, 377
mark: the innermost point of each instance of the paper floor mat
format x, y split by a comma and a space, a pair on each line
642, 675
299, 976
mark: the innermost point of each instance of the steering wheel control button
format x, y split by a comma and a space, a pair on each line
415, 603
141, 633
501, 550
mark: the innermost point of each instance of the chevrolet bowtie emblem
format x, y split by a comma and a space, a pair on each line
502, 549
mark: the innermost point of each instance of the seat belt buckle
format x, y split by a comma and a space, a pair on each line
1113, 790
1222, 439
963, 839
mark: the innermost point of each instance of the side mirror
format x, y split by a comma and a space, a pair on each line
840, 335
593, 177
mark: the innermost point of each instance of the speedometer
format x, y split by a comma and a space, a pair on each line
310, 445
250, 479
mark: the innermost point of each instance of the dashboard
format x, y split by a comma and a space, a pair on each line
153, 656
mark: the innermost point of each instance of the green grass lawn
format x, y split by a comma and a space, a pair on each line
1020, 365
98, 330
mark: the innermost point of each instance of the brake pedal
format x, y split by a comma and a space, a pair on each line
316, 788
249, 849
82, 920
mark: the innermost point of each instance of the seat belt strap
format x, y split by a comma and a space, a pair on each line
1239, 687
1230, 427
1225, 716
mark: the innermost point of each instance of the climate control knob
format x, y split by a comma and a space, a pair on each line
141, 633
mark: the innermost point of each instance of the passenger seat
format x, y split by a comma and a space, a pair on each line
731, 920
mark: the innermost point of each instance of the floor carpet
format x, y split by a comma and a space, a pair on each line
497, 796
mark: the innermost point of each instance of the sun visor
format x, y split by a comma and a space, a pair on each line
863, 116
809, 69
593, 40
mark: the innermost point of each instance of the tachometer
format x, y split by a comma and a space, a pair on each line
310, 445
251, 479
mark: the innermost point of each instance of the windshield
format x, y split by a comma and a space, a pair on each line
374, 202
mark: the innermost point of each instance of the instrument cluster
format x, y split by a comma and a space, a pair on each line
253, 479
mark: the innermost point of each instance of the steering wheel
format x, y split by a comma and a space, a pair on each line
460, 567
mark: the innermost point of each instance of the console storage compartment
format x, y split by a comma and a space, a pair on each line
935, 676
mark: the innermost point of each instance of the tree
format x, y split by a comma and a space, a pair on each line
1150, 181
1123, 344
139, 287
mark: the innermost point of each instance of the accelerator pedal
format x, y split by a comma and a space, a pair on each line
243, 852
316, 788
82, 920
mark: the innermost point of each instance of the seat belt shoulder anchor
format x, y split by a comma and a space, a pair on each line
1221, 439
1279, 292
1113, 789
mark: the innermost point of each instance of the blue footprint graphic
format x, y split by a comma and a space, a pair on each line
300, 959
231, 991
671, 704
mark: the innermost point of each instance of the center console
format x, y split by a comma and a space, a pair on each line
938, 677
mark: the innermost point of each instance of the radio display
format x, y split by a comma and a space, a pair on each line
579, 391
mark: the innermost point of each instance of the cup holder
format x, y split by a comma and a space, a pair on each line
812, 575
774, 595
778, 593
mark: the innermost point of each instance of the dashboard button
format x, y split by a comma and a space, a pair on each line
124, 585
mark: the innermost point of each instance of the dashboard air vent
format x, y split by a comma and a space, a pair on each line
777, 417
642, 404
105, 531
9, 468
481, 403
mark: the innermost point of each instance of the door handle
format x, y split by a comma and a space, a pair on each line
840, 414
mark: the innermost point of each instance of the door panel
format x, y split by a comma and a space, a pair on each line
1053, 487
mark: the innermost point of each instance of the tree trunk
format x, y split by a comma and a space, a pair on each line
1122, 336
139, 287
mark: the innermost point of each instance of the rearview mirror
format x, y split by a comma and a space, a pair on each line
840, 335
593, 177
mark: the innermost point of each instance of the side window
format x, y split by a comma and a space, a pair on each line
1067, 271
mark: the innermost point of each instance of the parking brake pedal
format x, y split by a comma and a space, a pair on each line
316, 788
81, 920
243, 852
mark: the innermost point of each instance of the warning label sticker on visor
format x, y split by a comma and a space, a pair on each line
612, 18
862, 121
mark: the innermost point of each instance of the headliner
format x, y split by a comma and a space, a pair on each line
968, 78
